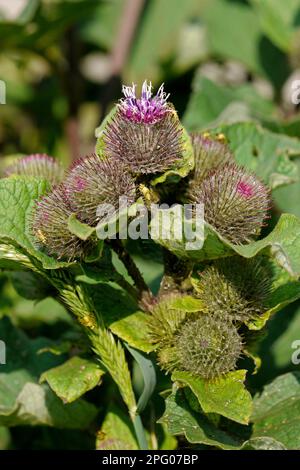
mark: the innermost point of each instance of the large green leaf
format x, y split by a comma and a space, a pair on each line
116, 432
282, 244
37, 405
196, 427
22, 400
262, 443
226, 24
264, 152
209, 102
278, 21
122, 316
226, 395
276, 412
74, 378
157, 38
17, 196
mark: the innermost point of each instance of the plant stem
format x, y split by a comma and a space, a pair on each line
140, 432
144, 292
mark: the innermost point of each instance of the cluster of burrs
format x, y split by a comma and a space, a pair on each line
207, 343
233, 291
143, 138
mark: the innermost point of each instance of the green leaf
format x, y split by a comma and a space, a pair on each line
262, 443
116, 432
196, 427
74, 378
149, 377
286, 198
226, 395
81, 230
36, 405
147, 61
17, 196
278, 22
99, 132
22, 400
276, 412
282, 244
187, 303
5, 438
13, 259
209, 103
226, 23
122, 316
264, 152
30, 285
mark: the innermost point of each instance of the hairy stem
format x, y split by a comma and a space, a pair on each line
145, 295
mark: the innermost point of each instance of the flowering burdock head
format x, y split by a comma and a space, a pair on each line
92, 182
145, 134
147, 109
40, 165
209, 153
207, 347
50, 228
235, 289
235, 202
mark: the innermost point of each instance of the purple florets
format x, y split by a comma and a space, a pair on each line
147, 109
39, 165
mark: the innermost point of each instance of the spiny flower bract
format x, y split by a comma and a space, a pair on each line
207, 347
235, 289
235, 202
209, 153
143, 135
93, 182
164, 320
39, 165
50, 227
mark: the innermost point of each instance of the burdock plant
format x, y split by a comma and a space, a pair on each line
145, 134
195, 321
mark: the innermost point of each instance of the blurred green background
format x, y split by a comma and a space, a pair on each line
63, 63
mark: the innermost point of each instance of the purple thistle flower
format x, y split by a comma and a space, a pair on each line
145, 135
147, 109
50, 227
39, 165
92, 182
236, 202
